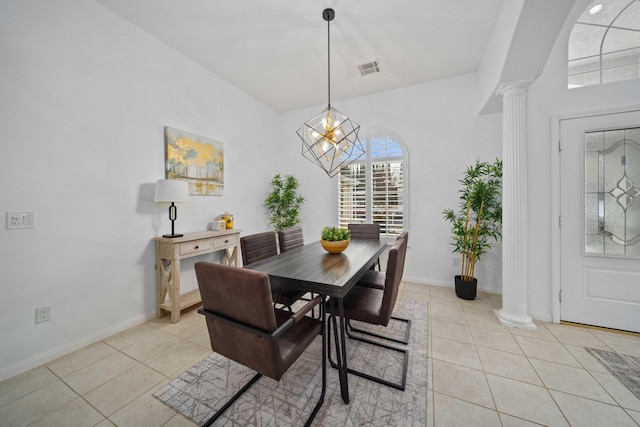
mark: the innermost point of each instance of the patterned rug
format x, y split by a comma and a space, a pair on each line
624, 367
198, 392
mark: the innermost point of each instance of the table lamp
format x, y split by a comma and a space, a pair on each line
172, 191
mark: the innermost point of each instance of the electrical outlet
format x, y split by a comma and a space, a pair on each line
456, 261
19, 220
43, 314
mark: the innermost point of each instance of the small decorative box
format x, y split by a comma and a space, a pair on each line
219, 225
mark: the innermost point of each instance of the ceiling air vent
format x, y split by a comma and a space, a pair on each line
369, 68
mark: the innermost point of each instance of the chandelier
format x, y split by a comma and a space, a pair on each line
330, 139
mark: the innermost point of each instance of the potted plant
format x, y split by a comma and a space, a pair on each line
478, 221
335, 239
284, 202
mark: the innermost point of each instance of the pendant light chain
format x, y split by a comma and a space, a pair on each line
328, 63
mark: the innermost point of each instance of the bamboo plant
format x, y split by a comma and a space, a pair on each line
478, 221
284, 202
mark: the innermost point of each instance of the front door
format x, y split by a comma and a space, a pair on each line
600, 220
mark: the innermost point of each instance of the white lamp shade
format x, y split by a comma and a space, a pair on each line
171, 190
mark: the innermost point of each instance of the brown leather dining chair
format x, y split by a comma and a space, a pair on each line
245, 327
377, 280
374, 279
290, 238
259, 246
374, 306
366, 231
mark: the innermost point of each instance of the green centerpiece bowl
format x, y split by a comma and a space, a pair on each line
334, 247
335, 239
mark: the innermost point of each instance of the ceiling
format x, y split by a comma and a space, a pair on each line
276, 50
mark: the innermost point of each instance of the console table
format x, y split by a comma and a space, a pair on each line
169, 252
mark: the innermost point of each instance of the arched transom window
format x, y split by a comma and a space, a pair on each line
604, 45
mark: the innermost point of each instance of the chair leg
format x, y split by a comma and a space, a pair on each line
399, 386
313, 310
404, 340
316, 409
231, 401
276, 299
255, 378
376, 264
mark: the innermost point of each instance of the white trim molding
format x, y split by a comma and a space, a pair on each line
554, 146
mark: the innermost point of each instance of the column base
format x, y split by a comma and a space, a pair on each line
522, 322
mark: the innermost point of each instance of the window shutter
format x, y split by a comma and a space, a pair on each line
352, 195
387, 196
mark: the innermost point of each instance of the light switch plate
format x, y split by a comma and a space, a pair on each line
16, 220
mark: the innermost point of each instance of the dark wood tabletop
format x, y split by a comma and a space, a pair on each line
311, 268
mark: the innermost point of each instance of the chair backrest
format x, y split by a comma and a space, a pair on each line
290, 238
365, 231
243, 296
404, 235
256, 247
395, 268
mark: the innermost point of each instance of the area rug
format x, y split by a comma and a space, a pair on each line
624, 367
198, 393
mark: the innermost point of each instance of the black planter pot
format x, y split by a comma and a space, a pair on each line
466, 289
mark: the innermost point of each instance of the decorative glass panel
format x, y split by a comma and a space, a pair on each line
612, 192
384, 148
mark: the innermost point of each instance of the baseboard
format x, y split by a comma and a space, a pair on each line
53, 354
542, 317
427, 282
447, 285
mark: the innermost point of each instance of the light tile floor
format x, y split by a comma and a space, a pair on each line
480, 373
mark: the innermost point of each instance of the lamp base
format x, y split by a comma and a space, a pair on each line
172, 235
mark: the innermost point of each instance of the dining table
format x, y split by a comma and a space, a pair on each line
312, 269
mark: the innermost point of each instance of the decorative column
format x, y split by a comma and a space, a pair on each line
514, 207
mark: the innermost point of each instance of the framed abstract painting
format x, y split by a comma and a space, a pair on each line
195, 159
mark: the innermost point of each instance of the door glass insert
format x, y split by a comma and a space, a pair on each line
612, 192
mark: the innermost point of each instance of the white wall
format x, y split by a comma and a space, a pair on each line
549, 96
85, 97
495, 55
440, 125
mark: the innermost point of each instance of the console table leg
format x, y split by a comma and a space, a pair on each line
174, 291
230, 256
164, 282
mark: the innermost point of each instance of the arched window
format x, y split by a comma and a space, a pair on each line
375, 188
604, 45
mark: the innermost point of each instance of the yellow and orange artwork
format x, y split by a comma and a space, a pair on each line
195, 159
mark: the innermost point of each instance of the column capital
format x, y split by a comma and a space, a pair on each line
514, 87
